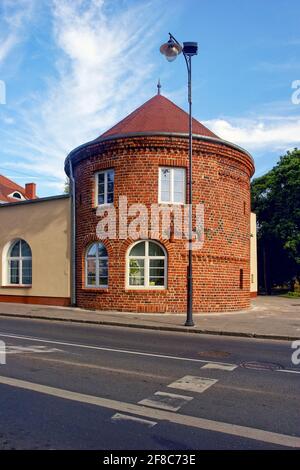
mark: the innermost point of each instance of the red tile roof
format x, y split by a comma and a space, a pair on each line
159, 114
7, 187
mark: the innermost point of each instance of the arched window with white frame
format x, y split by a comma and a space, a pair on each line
19, 264
147, 266
96, 266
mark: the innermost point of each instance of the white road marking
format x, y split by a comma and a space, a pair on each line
166, 401
29, 349
159, 415
98, 348
290, 371
121, 417
193, 384
215, 365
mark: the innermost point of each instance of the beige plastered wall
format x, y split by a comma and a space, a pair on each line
45, 226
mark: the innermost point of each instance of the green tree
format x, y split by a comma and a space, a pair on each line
276, 202
67, 186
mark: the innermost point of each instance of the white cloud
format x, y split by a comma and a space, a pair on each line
292, 64
14, 17
273, 133
8, 120
102, 73
6, 46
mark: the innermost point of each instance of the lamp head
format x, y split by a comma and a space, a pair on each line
170, 50
190, 48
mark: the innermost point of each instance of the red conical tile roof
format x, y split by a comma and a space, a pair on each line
158, 114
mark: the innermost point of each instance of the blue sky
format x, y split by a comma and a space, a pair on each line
73, 68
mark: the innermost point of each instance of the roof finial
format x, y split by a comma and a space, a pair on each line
158, 87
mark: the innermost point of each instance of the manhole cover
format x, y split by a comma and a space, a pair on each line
261, 365
213, 353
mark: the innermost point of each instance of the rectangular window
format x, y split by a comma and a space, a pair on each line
103, 272
91, 272
14, 272
105, 187
26, 271
156, 272
172, 187
136, 272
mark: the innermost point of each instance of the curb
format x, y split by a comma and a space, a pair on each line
174, 329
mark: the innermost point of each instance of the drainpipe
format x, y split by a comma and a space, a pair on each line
73, 235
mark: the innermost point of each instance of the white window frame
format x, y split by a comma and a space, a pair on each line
103, 172
20, 260
171, 169
146, 259
96, 258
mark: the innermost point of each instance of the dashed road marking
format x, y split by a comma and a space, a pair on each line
215, 365
30, 349
166, 401
122, 417
290, 371
193, 384
263, 366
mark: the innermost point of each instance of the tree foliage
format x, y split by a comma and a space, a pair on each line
67, 186
276, 202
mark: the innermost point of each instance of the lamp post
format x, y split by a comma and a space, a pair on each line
171, 50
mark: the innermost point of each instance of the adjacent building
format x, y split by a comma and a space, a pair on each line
35, 250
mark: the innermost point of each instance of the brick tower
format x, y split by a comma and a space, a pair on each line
145, 158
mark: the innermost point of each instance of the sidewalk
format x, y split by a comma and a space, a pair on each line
269, 317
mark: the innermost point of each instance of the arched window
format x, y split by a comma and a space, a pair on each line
96, 266
17, 195
147, 266
19, 263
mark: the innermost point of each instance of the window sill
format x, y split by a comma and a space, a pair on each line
104, 206
95, 289
171, 203
17, 286
146, 289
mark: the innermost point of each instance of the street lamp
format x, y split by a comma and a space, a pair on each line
171, 50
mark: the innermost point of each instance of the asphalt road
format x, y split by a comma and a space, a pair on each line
74, 386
